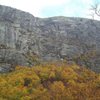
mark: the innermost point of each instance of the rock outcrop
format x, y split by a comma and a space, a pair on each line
55, 38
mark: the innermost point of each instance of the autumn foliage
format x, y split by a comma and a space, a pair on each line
50, 82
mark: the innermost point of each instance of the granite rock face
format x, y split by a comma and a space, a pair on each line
22, 34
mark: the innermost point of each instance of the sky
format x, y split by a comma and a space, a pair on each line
49, 8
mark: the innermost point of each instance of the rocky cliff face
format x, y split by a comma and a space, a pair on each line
23, 35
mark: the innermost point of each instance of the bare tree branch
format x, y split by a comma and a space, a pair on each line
95, 8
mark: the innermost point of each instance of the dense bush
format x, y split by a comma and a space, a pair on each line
50, 82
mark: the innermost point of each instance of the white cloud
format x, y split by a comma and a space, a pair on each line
33, 6
88, 2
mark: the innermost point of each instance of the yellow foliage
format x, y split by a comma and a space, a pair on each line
50, 82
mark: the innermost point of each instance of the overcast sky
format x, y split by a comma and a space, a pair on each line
49, 8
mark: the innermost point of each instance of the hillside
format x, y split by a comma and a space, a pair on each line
23, 36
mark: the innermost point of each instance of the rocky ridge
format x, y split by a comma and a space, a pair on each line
22, 35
